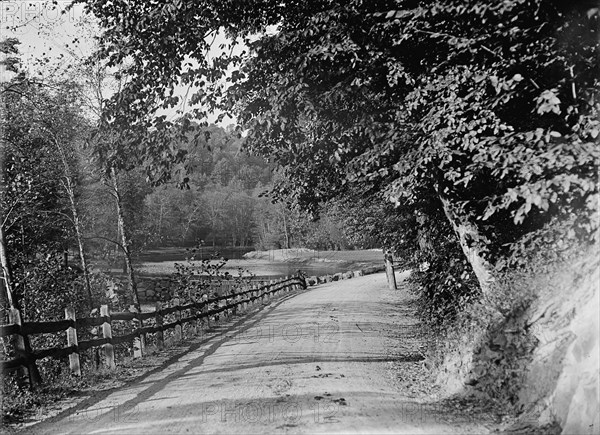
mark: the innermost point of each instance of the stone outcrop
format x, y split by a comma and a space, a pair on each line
543, 358
562, 380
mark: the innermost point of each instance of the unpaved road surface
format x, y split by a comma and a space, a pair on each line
314, 362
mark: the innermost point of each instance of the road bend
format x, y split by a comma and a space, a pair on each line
318, 361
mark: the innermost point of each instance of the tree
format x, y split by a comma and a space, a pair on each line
215, 200
125, 141
53, 111
39, 187
10, 62
484, 114
238, 213
426, 105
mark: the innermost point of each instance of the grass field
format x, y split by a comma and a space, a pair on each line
302, 254
180, 254
278, 262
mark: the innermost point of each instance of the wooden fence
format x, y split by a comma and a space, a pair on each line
182, 314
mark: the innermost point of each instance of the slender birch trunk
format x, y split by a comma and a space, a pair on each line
69, 188
126, 242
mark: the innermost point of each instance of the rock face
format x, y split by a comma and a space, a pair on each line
552, 348
563, 375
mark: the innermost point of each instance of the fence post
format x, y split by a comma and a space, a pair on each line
178, 332
139, 342
74, 364
96, 360
389, 270
268, 292
192, 313
205, 309
160, 337
23, 349
109, 350
234, 303
142, 335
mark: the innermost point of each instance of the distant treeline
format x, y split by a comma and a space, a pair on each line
226, 205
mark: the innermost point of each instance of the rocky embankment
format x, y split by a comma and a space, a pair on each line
542, 359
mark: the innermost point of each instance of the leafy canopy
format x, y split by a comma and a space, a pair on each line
492, 105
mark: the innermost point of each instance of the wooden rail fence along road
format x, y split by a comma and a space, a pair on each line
182, 314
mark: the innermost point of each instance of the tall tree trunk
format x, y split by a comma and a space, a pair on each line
79, 236
4, 263
117, 247
188, 223
82, 257
6, 271
285, 231
160, 219
468, 236
126, 242
70, 189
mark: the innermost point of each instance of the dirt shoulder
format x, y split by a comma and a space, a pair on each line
340, 357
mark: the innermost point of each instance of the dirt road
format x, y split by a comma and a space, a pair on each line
315, 362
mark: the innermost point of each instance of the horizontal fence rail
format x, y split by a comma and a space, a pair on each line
204, 309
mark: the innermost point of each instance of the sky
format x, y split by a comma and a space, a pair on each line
44, 28
48, 29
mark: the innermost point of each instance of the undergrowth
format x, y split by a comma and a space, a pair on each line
485, 347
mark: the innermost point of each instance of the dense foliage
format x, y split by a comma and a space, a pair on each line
494, 109
477, 113
36, 219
